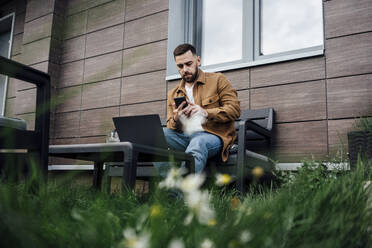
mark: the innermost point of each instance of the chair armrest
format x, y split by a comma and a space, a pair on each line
251, 125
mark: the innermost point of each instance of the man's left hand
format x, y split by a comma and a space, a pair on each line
193, 108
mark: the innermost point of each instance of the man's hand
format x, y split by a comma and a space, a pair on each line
177, 111
193, 108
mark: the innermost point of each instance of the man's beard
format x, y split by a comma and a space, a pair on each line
193, 77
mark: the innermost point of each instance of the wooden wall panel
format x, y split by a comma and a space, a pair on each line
26, 101
71, 74
97, 121
101, 94
344, 17
244, 98
293, 102
67, 125
239, 78
75, 6
144, 87
144, 109
139, 8
68, 99
36, 9
17, 45
38, 29
288, 72
36, 52
145, 58
302, 140
145, 30
30, 120
73, 49
104, 41
337, 136
106, 15
350, 96
349, 55
75, 25
103, 67
19, 23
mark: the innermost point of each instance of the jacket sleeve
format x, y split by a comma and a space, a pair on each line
171, 123
229, 109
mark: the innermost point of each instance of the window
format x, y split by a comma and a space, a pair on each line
242, 33
6, 24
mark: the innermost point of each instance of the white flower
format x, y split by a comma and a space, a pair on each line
192, 182
176, 243
207, 243
199, 204
133, 240
173, 178
245, 236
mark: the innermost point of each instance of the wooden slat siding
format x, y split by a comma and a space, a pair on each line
106, 15
239, 79
75, 25
297, 141
12, 88
71, 74
139, 8
36, 52
172, 84
67, 124
344, 17
73, 49
10, 110
75, 6
158, 107
293, 102
288, 72
145, 58
97, 121
101, 94
243, 96
30, 120
146, 30
36, 9
350, 96
349, 55
17, 44
103, 67
26, 101
337, 135
144, 87
19, 23
68, 99
105, 41
38, 29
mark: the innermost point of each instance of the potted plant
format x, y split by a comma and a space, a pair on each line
360, 141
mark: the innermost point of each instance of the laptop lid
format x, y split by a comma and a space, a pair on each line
141, 129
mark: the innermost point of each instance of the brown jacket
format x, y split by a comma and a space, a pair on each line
214, 93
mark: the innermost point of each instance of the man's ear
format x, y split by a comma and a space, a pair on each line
198, 60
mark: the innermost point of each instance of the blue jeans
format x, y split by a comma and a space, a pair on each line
201, 145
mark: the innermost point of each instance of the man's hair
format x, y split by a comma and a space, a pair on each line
183, 48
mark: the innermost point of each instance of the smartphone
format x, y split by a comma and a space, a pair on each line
179, 100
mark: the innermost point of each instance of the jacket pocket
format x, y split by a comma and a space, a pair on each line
211, 101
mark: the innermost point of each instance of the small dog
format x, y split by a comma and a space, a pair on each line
193, 123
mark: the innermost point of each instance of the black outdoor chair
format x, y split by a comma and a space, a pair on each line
19, 146
255, 131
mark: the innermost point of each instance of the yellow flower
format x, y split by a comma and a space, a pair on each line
212, 222
257, 172
155, 210
223, 179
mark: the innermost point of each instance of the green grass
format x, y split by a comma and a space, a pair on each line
311, 208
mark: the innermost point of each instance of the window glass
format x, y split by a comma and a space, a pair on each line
222, 37
290, 25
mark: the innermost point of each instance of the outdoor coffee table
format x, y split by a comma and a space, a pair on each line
126, 153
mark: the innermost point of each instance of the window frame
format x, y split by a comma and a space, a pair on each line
3, 94
185, 26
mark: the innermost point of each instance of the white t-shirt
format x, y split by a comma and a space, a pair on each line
189, 93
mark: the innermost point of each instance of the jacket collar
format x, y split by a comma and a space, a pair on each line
199, 80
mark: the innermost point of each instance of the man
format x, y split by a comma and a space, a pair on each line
209, 95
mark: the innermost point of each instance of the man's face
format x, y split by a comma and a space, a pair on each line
187, 65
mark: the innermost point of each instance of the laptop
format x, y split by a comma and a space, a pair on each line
141, 129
